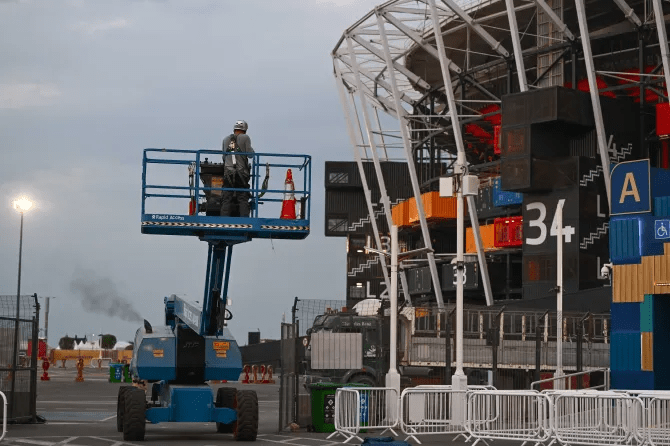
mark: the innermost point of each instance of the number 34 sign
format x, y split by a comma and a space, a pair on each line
541, 221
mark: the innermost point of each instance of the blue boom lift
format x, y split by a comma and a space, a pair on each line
194, 347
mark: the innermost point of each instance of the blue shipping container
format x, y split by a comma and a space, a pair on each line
504, 198
632, 237
646, 313
626, 351
662, 207
625, 316
632, 380
660, 182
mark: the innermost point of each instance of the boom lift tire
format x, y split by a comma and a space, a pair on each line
246, 426
120, 405
134, 418
225, 397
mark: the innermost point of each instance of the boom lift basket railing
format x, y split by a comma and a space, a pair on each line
177, 191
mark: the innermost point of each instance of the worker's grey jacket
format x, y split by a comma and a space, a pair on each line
237, 162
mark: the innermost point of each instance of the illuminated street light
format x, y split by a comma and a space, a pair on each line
22, 205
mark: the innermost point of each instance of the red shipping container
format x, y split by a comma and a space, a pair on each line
41, 349
663, 119
508, 232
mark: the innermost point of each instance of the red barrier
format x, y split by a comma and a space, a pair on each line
45, 367
246, 370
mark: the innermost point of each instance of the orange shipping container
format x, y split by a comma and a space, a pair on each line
488, 235
651, 276
400, 214
647, 351
435, 208
412, 213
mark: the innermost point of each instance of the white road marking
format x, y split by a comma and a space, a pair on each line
66, 441
289, 440
35, 442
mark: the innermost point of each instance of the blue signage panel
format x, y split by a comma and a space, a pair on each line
662, 229
631, 191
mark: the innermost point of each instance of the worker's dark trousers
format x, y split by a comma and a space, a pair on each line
230, 200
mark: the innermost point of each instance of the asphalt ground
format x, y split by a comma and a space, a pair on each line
84, 414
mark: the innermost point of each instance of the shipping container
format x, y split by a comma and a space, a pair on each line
496, 139
631, 282
663, 119
625, 351
647, 351
627, 379
419, 280
412, 212
548, 105
624, 237
646, 313
400, 214
472, 277
504, 198
487, 233
516, 173
659, 267
435, 208
625, 316
508, 232
662, 206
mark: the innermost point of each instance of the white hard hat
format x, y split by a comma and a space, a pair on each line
241, 125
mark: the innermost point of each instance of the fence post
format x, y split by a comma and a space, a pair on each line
447, 348
538, 351
493, 339
33, 361
579, 354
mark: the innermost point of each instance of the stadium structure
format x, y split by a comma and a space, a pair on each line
553, 107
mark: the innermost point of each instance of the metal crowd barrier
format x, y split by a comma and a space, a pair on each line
657, 427
595, 418
652, 416
434, 409
521, 415
4, 416
365, 407
584, 417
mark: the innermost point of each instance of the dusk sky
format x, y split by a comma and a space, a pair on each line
85, 86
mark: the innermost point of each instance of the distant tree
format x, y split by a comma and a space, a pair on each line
108, 341
66, 343
129, 347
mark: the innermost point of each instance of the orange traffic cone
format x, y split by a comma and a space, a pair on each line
288, 205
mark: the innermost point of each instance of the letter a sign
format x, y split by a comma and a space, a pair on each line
631, 191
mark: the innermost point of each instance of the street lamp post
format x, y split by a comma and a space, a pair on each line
22, 205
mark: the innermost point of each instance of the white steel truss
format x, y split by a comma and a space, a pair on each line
390, 62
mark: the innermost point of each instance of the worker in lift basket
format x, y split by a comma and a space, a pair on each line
236, 158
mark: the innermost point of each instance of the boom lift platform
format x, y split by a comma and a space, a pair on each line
195, 346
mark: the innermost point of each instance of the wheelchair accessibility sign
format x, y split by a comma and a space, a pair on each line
662, 229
